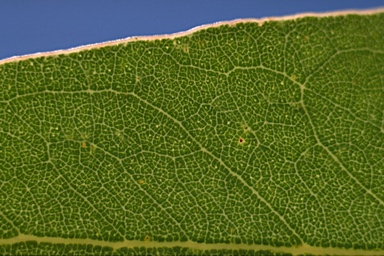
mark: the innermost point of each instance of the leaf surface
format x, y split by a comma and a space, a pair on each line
239, 138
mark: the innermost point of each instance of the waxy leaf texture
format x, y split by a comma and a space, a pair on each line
233, 139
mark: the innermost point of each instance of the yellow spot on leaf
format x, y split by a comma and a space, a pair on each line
147, 238
141, 181
93, 149
83, 144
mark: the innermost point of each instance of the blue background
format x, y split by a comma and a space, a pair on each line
45, 25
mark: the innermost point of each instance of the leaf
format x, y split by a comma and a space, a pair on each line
235, 139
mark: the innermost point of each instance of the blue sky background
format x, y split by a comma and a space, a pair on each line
45, 25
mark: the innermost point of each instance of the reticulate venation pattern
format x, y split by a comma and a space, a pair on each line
256, 134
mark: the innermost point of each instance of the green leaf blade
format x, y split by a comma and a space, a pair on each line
260, 137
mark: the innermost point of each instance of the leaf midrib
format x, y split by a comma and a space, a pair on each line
130, 244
